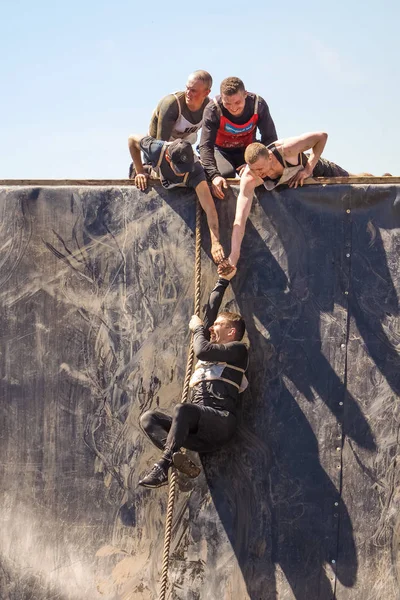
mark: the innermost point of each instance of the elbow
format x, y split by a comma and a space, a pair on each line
133, 142
324, 136
201, 354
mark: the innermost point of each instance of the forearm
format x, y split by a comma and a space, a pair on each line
236, 241
317, 149
134, 149
214, 303
213, 223
314, 142
208, 205
243, 206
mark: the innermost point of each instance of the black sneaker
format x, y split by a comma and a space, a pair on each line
155, 478
186, 466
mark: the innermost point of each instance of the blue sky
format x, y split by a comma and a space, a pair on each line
79, 77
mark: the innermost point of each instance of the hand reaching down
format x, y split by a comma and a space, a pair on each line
217, 252
226, 269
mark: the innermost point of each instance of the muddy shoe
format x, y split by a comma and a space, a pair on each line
155, 478
185, 484
183, 463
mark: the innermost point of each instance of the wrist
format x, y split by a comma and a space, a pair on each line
223, 281
233, 258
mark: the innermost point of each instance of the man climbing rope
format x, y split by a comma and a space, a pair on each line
209, 421
176, 164
282, 162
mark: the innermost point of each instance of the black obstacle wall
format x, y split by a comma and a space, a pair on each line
96, 293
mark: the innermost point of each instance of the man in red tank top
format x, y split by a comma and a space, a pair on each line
230, 123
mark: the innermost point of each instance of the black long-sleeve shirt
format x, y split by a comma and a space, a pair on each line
223, 395
211, 120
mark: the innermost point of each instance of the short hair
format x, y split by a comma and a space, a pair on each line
236, 321
254, 151
202, 76
232, 85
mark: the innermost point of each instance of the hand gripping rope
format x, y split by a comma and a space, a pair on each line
185, 392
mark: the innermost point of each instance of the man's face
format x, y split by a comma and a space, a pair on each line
262, 167
195, 94
234, 104
221, 331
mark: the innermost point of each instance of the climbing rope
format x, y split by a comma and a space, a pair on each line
189, 366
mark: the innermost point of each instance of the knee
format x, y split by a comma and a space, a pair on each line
146, 420
180, 411
183, 411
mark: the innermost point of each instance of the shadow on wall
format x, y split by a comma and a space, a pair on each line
272, 495
275, 499
291, 520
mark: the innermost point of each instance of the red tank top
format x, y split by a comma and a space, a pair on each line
231, 135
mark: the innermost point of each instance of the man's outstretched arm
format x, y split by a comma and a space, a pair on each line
203, 348
213, 304
208, 205
248, 183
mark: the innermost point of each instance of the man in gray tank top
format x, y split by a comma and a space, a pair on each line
179, 115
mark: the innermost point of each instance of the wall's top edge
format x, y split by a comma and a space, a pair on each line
129, 182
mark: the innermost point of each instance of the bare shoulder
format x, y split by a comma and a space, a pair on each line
170, 99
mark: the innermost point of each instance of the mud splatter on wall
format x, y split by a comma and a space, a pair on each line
96, 293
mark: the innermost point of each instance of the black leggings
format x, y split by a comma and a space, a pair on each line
228, 162
193, 426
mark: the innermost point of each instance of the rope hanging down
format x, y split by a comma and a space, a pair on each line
185, 393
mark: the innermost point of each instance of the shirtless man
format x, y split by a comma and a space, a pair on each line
282, 162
